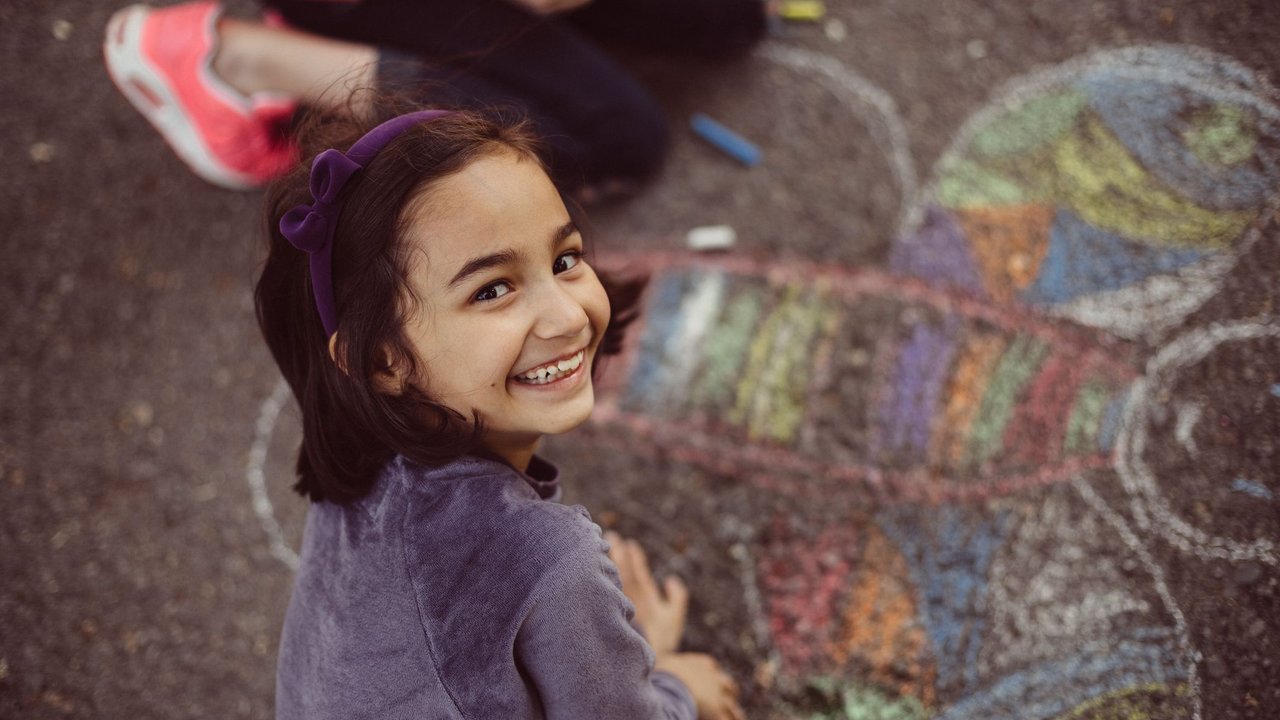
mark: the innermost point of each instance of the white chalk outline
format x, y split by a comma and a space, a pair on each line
1189, 651
890, 132
1037, 639
1149, 307
268, 413
1230, 82
1150, 509
756, 613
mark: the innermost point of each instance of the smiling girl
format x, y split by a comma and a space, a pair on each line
427, 297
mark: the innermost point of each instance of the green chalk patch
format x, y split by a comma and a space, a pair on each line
788, 376
863, 703
1032, 124
725, 349
1221, 135
1086, 418
966, 183
1012, 373
747, 400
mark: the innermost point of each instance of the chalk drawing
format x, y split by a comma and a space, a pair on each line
1115, 190
1150, 493
268, 413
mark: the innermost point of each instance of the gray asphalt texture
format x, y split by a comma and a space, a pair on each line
136, 579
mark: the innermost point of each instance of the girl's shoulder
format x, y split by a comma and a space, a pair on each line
483, 510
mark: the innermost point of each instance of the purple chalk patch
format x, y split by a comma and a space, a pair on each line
938, 252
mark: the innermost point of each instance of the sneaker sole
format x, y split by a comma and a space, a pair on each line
150, 93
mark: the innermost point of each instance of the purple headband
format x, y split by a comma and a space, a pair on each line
310, 228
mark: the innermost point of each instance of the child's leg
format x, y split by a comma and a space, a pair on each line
602, 127
254, 58
706, 28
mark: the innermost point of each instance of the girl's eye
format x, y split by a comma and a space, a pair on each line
567, 261
492, 292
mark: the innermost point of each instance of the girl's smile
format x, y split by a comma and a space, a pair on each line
509, 315
557, 372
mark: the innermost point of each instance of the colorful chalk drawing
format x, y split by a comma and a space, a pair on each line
787, 376
964, 440
960, 425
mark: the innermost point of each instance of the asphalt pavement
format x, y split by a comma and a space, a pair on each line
977, 419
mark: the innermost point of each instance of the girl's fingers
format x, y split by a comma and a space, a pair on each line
729, 711
620, 554
677, 592
615, 546
728, 685
640, 565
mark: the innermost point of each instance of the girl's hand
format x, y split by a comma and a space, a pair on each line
660, 614
714, 692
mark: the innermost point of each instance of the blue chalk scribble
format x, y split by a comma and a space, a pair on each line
1249, 487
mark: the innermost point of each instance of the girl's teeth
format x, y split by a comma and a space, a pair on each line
548, 372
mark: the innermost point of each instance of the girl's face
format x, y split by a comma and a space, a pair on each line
504, 296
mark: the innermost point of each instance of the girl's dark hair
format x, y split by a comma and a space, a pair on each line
350, 430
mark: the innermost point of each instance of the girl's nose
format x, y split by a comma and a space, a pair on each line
559, 314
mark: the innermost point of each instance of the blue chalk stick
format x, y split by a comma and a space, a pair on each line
1275, 390
731, 143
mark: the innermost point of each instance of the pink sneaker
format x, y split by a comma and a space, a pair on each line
162, 61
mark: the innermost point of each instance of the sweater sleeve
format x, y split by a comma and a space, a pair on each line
581, 652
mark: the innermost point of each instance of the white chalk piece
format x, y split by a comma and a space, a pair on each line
835, 30
711, 237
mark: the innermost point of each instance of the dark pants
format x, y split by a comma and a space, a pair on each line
597, 121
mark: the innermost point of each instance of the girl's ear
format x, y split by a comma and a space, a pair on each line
390, 376
391, 373
333, 354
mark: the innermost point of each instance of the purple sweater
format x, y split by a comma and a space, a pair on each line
465, 591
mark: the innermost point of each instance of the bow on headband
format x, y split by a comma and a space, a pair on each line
310, 228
